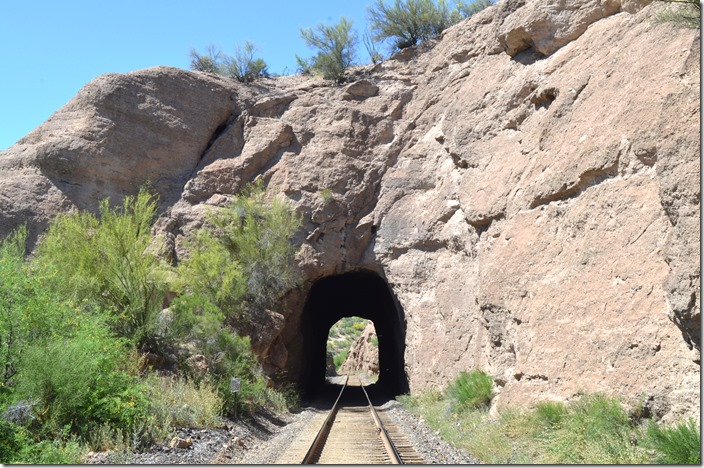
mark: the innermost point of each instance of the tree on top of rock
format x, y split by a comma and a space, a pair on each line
336, 49
408, 22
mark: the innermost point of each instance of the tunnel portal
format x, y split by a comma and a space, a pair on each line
363, 294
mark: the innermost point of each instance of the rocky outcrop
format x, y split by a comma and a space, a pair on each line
528, 186
363, 355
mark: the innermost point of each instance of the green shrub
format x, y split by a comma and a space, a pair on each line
227, 354
686, 13
77, 382
465, 10
372, 48
108, 261
47, 452
595, 430
243, 66
336, 48
183, 403
550, 413
326, 195
677, 445
28, 312
242, 261
408, 22
210, 62
472, 389
339, 358
10, 441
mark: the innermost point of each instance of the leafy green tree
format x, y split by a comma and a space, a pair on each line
30, 314
108, 261
242, 261
408, 22
336, 49
239, 263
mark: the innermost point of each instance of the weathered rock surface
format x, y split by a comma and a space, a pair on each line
363, 355
528, 186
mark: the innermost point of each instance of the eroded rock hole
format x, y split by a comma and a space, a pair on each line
362, 294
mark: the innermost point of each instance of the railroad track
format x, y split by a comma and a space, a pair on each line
354, 433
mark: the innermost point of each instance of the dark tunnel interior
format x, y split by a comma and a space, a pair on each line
363, 294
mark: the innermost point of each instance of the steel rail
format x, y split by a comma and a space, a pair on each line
394, 456
319, 440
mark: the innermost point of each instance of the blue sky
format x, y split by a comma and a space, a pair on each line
50, 49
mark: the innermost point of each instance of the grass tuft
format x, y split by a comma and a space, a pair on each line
181, 403
470, 390
677, 445
594, 429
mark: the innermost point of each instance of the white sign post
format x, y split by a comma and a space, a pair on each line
235, 385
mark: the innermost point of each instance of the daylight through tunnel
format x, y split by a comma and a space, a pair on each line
363, 294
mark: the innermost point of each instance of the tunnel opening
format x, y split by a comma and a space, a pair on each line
363, 294
353, 348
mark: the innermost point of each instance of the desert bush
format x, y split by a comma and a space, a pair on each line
199, 323
243, 66
183, 403
30, 313
336, 49
686, 13
46, 452
408, 22
677, 445
465, 10
242, 261
472, 389
15, 294
339, 358
77, 382
372, 47
210, 62
18, 446
107, 261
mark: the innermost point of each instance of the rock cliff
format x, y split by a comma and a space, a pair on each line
363, 354
527, 185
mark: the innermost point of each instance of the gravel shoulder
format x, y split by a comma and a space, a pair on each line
267, 438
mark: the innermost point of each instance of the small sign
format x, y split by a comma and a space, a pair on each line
235, 384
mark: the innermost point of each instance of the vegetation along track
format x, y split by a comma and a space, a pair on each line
354, 432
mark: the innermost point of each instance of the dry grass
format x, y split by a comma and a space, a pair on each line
181, 403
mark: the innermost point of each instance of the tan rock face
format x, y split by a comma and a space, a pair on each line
363, 355
527, 186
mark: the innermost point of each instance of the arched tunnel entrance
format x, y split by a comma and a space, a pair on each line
363, 294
